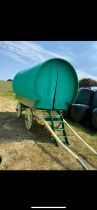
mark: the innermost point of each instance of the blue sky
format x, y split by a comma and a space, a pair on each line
19, 55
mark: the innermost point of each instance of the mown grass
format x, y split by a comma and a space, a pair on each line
89, 136
6, 89
46, 155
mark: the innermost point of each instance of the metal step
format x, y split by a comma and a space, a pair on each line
54, 119
53, 116
47, 119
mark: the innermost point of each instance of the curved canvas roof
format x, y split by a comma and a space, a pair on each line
52, 84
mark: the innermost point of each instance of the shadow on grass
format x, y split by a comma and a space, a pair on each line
86, 128
52, 156
13, 129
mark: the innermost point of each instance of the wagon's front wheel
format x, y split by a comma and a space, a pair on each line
28, 119
19, 109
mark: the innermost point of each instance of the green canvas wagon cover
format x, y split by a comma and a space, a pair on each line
52, 84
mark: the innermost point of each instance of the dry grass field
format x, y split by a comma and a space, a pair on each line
21, 149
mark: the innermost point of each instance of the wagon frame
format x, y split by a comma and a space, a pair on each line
59, 140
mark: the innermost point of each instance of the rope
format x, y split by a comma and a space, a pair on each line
85, 167
80, 138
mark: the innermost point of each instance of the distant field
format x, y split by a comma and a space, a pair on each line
6, 88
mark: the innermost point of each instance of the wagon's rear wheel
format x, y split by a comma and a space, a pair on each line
19, 109
28, 119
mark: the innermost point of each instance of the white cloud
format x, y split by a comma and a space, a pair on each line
31, 53
93, 52
27, 50
82, 74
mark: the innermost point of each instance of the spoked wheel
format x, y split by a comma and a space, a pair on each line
28, 119
19, 110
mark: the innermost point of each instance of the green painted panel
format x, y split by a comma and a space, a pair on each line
67, 86
24, 83
45, 85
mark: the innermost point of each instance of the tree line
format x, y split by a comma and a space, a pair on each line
87, 82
